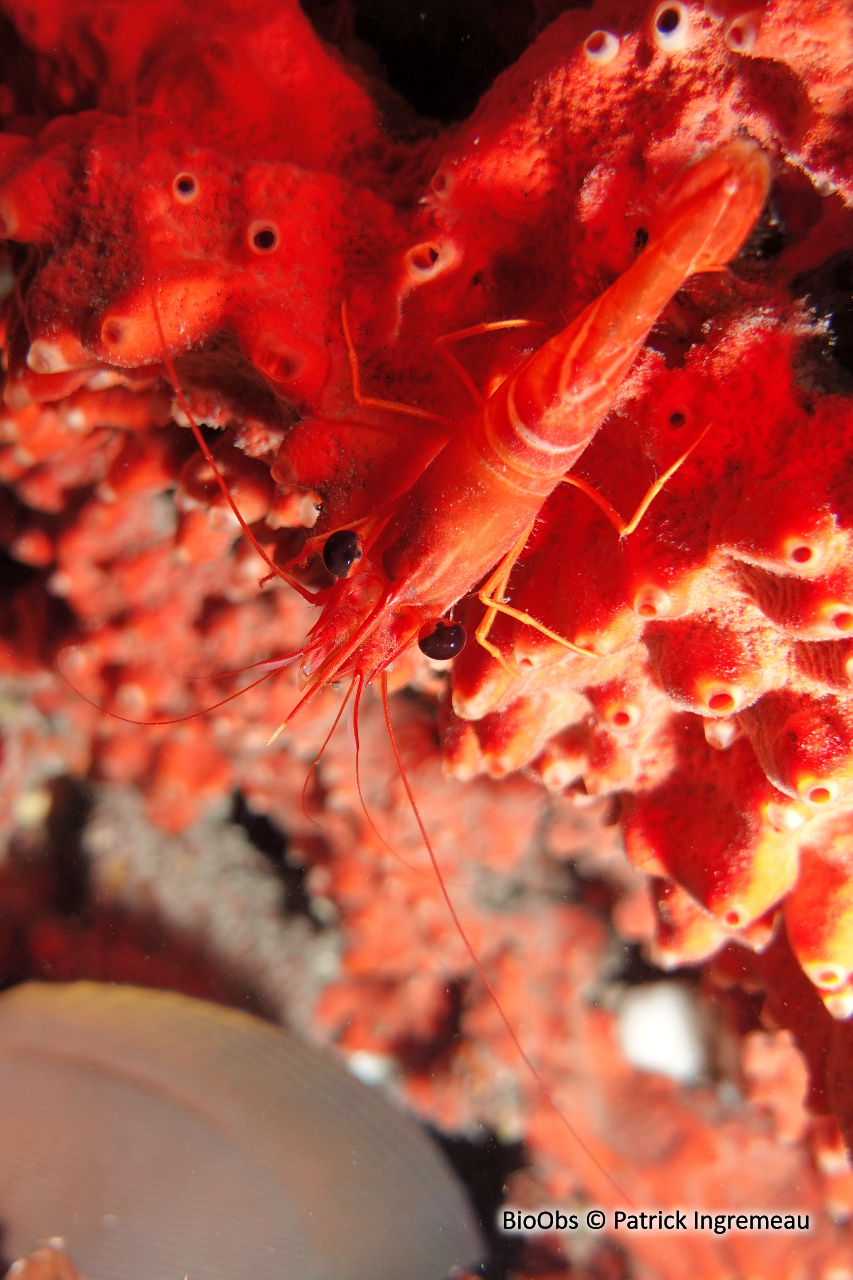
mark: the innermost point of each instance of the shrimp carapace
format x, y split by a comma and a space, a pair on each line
473, 503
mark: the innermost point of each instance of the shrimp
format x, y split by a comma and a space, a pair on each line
475, 504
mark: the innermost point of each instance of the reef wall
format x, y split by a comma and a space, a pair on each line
188, 195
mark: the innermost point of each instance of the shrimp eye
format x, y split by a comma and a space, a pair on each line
340, 552
443, 641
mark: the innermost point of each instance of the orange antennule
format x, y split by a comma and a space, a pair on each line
208, 456
329, 668
133, 112
274, 664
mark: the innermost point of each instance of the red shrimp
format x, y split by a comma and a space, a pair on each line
475, 504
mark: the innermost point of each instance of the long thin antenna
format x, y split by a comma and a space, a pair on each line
205, 449
326, 742
133, 111
543, 1088
376, 831
193, 715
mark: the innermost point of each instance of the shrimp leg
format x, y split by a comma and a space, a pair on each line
396, 406
487, 326
626, 528
371, 402
493, 589
490, 594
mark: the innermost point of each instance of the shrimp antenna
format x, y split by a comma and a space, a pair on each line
330, 667
193, 715
303, 702
513, 1035
326, 741
275, 569
273, 664
375, 829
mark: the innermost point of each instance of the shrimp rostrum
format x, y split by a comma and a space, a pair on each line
473, 507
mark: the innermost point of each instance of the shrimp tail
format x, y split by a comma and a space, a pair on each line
719, 199
550, 411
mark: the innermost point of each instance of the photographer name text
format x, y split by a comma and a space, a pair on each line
530, 1222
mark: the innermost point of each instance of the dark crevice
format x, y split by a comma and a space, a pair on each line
69, 813
33, 623
272, 843
25, 91
825, 361
439, 55
425, 1054
768, 237
218, 366
14, 574
484, 1165
635, 971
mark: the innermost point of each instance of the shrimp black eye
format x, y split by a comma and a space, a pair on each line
340, 552
443, 641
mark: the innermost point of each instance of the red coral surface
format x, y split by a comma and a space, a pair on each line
208, 186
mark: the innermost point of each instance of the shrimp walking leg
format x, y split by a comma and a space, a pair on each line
626, 527
371, 402
473, 331
492, 590
491, 593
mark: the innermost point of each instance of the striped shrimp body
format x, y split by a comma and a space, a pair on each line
473, 506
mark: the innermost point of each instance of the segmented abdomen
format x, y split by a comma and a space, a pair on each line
540, 421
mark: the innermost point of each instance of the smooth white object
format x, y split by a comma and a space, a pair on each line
659, 1031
